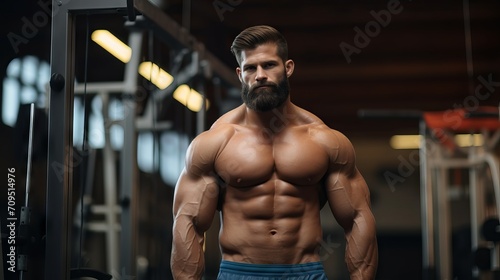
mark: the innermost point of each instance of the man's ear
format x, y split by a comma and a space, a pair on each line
238, 73
289, 67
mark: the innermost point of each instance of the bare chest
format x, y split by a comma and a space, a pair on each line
248, 160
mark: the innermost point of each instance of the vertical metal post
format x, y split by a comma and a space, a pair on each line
201, 115
110, 190
443, 225
128, 162
493, 163
60, 158
200, 87
60, 149
476, 191
1, 253
426, 208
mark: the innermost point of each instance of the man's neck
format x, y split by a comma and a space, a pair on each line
272, 121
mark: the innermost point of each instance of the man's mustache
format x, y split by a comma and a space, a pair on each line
269, 84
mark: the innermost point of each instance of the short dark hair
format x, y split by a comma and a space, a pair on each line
255, 36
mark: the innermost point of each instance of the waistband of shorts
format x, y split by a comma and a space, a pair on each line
270, 269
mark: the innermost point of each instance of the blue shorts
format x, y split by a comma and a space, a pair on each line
247, 271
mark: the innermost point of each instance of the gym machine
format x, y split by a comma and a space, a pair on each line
142, 15
438, 155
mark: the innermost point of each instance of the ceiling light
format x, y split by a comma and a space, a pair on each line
155, 74
402, 142
113, 45
190, 98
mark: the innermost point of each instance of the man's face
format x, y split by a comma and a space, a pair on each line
264, 78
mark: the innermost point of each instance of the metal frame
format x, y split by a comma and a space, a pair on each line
435, 207
426, 208
1, 251
110, 209
61, 159
128, 190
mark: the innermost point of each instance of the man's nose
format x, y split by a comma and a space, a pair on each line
260, 74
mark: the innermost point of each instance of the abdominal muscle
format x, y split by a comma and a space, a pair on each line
274, 222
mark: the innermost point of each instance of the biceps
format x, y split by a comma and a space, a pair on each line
196, 199
348, 196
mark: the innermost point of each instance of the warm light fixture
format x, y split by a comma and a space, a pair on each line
404, 142
401, 142
120, 50
468, 140
190, 98
155, 74
113, 45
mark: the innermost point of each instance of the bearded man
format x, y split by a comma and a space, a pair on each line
269, 167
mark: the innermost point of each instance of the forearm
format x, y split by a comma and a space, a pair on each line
362, 250
187, 260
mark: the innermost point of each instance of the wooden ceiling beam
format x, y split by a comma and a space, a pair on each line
329, 14
413, 70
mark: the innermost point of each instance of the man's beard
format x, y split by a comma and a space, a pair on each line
263, 99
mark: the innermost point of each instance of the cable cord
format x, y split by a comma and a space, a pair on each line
83, 181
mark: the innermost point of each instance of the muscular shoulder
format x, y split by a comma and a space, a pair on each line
205, 148
339, 148
212, 140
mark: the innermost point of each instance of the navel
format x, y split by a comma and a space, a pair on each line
273, 232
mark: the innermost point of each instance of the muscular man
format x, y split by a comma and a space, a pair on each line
270, 166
